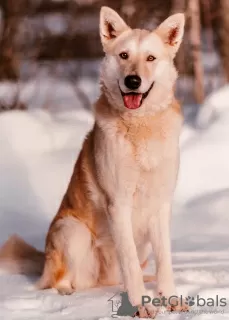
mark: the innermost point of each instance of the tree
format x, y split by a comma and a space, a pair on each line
223, 34
195, 41
8, 60
9, 65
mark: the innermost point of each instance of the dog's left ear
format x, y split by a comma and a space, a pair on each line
171, 31
111, 25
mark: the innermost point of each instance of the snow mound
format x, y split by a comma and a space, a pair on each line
216, 105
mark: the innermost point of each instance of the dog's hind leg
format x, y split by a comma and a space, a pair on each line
55, 271
71, 261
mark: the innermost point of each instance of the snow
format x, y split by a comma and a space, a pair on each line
38, 151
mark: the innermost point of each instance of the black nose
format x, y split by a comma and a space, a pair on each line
133, 82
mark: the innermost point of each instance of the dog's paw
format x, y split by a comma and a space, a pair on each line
65, 291
177, 306
148, 311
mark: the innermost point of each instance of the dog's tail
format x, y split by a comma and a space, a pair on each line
16, 256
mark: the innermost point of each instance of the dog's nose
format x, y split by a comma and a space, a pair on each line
133, 82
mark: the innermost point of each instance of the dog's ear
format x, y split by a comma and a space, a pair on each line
171, 31
111, 25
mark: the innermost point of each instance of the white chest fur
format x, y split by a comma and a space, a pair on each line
149, 153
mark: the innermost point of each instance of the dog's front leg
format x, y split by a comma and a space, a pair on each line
121, 229
159, 231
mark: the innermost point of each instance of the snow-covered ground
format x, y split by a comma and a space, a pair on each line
37, 152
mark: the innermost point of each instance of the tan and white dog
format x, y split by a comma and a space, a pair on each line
118, 203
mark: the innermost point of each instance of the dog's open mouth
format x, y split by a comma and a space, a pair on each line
133, 100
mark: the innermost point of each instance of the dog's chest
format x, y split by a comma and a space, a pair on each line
149, 153
157, 163
151, 140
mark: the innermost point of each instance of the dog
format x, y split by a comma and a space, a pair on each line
117, 206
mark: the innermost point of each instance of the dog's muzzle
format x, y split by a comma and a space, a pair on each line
133, 100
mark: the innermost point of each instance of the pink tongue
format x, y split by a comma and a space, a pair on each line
132, 101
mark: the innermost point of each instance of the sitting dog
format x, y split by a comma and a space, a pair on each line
118, 203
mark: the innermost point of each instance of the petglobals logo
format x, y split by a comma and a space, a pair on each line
189, 301
121, 306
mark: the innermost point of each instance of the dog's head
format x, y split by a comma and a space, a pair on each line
138, 71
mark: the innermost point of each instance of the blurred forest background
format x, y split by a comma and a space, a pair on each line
50, 49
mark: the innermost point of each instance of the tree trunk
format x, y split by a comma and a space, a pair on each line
206, 4
8, 61
223, 35
9, 64
195, 40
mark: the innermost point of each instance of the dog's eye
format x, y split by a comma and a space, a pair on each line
124, 55
150, 58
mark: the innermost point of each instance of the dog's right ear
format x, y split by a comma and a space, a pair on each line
111, 25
